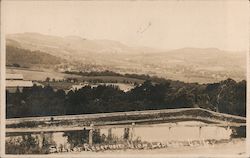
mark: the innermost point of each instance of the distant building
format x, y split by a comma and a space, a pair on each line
14, 81
14, 77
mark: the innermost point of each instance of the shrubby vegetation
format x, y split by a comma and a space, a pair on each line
26, 144
227, 96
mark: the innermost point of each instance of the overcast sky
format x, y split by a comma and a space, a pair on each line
159, 24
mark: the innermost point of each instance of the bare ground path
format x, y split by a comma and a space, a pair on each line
234, 147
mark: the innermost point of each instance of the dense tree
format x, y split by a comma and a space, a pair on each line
226, 96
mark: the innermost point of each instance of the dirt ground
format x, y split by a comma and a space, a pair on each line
234, 147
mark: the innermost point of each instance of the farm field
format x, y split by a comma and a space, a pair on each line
36, 75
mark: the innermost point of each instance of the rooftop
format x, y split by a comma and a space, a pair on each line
14, 77
18, 83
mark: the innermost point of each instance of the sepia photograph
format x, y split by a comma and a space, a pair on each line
115, 78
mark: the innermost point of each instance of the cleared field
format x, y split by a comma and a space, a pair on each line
111, 78
36, 75
67, 86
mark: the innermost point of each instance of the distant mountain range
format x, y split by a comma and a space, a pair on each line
71, 44
186, 64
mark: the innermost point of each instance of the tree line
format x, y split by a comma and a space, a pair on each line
112, 73
227, 96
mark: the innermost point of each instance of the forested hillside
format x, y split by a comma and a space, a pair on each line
25, 58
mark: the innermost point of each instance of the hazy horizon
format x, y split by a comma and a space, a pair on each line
157, 50
164, 25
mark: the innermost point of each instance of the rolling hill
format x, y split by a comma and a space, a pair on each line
201, 65
19, 57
